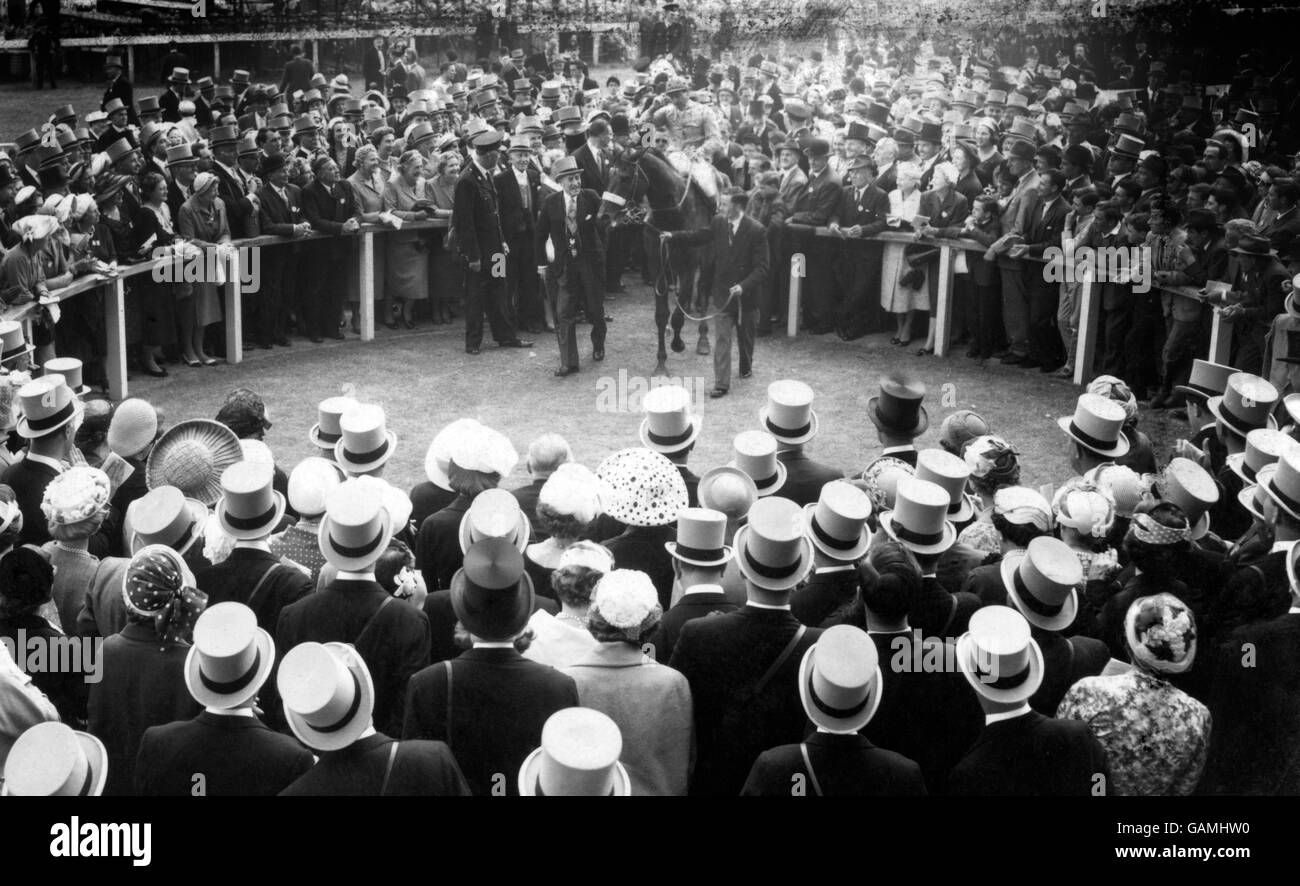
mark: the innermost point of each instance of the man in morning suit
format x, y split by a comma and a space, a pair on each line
700, 559
862, 213
280, 215
483, 247
816, 204
789, 417
742, 666
520, 191
573, 246
327, 205
740, 269
837, 528
1043, 224
119, 88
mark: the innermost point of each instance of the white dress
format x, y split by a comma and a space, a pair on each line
894, 297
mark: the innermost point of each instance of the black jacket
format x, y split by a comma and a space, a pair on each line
493, 719
437, 547
689, 607
741, 259
551, 225
236, 756
476, 216
804, 478
842, 766
515, 221
823, 594
237, 576
1032, 756
642, 548
419, 769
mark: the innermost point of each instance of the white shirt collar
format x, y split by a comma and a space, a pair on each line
345, 575
1281, 547
255, 545
785, 606
231, 712
494, 644
703, 589
990, 719
826, 570
58, 466
889, 450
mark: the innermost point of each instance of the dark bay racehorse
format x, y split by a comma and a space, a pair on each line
648, 183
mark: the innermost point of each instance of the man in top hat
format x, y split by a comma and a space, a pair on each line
236, 752
482, 245
1096, 432
117, 129
789, 417
742, 666
118, 88
861, 213
1252, 745
45, 758
699, 557
1020, 752
250, 511
671, 428
391, 636
490, 703
899, 416
280, 214
169, 103
1256, 298
520, 191
237, 189
741, 265
837, 527
571, 247
816, 204
840, 686
327, 206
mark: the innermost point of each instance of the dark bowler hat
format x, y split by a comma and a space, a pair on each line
898, 410
817, 147
273, 163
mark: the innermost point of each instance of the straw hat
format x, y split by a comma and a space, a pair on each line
837, 521
788, 415
998, 657
772, 549
53, 760
356, 527
310, 482
668, 425
133, 427
329, 696
647, 489
840, 683
755, 454
231, 657
249, 508
1040, 582
919, 520
192, 456
701, 538
578, 757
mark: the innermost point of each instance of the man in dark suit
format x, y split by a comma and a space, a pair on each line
488, 705
327, 204
740, 269
519, 188
573, 246
593, 156
391, 636
1283, 230
241, 205
699, 561
789, 417
1044, 223
118, 88
545, 455
482, 245
743, 666
1020, 752
862, 213
297, 72
816, 204
169, 102
370, 765
280, 215
374, 65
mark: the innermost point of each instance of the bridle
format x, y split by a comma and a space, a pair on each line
637, 214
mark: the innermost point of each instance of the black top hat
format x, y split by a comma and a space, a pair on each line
273, 163
898, 410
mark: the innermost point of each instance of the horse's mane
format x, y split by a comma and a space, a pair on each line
691, 183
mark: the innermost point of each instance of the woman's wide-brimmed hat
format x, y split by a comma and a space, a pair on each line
192, 455
647, 489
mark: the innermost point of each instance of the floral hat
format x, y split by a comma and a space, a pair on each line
881, 478
1161, 634
159, 586
992, 459
76, 495
647, 488
1085, 507
626, 599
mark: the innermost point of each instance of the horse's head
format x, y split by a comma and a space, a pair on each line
626, 188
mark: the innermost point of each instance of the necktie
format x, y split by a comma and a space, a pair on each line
572, 219
523, 190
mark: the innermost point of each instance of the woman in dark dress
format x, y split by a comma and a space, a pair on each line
153, 228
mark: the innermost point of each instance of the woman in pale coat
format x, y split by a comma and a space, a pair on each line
203, 222
895, 297
366, 186
650, 702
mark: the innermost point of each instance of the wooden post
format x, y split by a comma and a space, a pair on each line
130, 62
943, 310
216, 61
796, 284
366, 284
234, 312
1220, 339
115, 358
1085, 347
315, 54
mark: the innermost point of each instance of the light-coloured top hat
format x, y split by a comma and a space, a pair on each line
729, 490
71, 370
54, 760
13, 344
951, 472
1263, 447
329, 696
326, 433
578, 757
837, 521
231, 657
772, 548
1096, 425
1254, 497
1040, 582
44, 405
755, 454
646, 488
701, 538
1246, 403
788, 415
249, 508
998, 656
840, 683
357, 525
1284, 486
668, 426
1207, 379
565, 166
919, 520
164, 516
366, 443
495, 513
310, 483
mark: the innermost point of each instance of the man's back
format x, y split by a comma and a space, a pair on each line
238, 756
1032, 755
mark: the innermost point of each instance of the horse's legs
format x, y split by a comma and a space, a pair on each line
702, 299
661, 299
683, 279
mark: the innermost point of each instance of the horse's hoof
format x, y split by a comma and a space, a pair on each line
678, 346
703, 347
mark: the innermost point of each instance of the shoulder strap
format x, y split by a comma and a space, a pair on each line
780, 660
952, 614
448, 665
370, 621
261, 583
388, 770
807, 764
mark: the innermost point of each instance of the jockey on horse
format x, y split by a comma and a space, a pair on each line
694, 135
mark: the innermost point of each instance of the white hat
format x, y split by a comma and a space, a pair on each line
310, 482
480, 448
626, 599
329, 696
772, 550
438, 455
755, 454
840, 683
919, 520
356, 527
574, 490
1097, 425
788, 415
998, 657
366, 443
668, 425
231, 656
837, 521
578, 756
53, 760
1040, 582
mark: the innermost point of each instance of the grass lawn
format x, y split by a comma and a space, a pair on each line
424, 379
